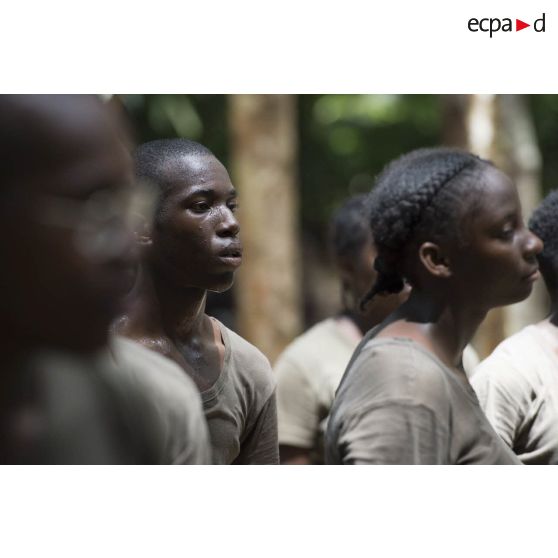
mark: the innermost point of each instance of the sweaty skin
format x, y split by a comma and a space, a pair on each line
192, 246
185, 255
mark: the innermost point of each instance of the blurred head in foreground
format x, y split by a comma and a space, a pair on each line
64, 247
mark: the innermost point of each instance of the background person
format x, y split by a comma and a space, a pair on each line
517, 385
310, 369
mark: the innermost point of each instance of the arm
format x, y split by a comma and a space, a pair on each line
395, 433
298, 413
502, 396
260, 446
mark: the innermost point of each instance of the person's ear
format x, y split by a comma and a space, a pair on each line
434, 259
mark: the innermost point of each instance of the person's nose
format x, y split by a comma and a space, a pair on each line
228, 224
533, 245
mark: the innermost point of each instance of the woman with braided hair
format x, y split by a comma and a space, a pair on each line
449, 224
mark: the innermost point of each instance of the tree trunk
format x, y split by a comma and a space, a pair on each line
268, 285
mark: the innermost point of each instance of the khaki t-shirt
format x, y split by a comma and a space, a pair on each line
170, 398
517, 386
308, 373
240, 407
398, 404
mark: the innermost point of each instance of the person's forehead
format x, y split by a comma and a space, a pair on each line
183, 173
497, 200
498, 192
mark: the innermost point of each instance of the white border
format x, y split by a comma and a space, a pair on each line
302, 46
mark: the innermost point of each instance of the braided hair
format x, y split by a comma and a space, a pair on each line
417, 196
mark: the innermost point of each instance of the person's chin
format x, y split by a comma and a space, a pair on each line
221, 283
519, 295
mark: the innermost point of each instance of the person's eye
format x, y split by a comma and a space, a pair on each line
233, 206
200, 207
507, 232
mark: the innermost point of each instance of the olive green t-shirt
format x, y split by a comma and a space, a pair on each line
399, 404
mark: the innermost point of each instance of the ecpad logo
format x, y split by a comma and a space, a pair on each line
493, 25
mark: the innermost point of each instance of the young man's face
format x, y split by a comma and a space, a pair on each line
65, 249
196, 234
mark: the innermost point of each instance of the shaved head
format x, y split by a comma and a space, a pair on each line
156, 161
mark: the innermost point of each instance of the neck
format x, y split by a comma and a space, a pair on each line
159, 308
362, 321
447, 326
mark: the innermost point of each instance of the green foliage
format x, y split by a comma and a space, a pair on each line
202, 118
345, 140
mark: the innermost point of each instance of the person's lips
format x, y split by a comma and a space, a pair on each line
231, 255
533, 275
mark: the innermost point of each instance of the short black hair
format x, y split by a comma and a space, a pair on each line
416, 196
349, 227
544, 223
150, 158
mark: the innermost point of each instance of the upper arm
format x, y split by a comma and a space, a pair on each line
394, 433
502, 396
297, 405
260, 446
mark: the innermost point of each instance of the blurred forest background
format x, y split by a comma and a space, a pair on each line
295, 158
